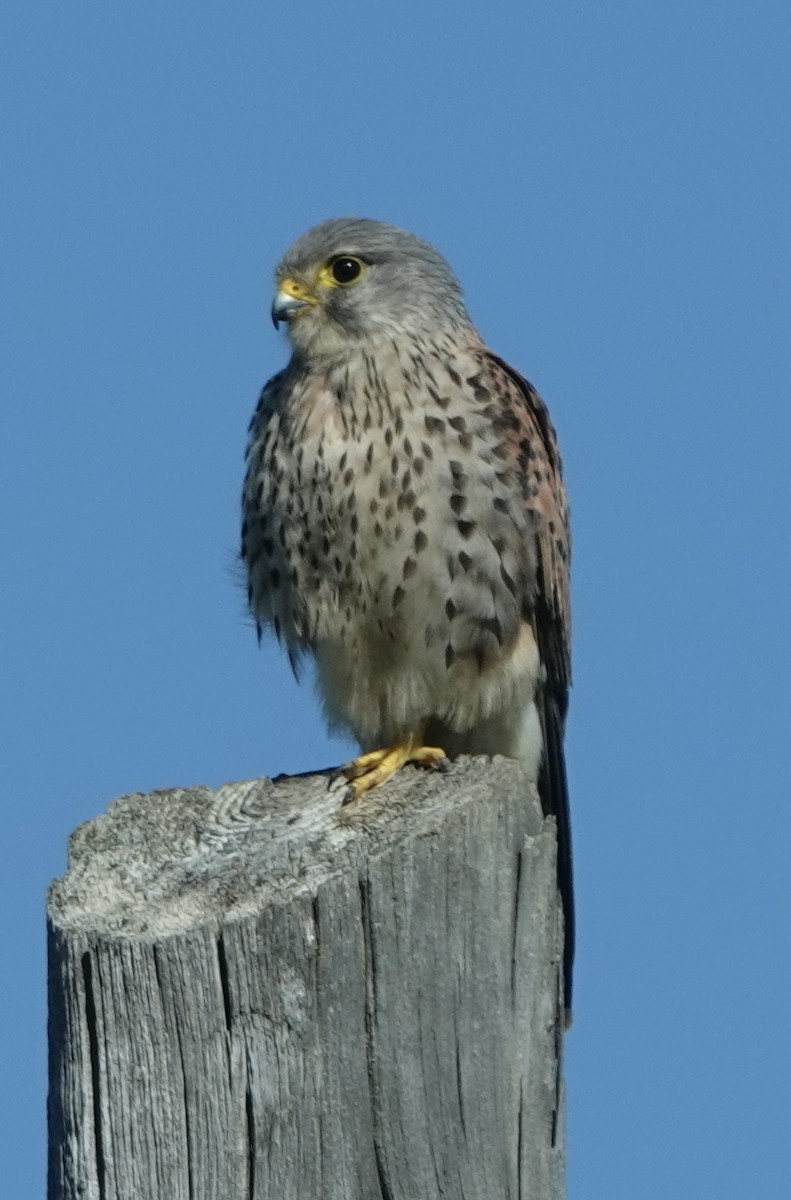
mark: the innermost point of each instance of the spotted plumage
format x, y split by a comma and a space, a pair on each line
405, 521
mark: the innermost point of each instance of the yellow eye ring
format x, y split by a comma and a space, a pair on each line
342, 270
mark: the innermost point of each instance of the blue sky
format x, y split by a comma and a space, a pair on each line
611, 182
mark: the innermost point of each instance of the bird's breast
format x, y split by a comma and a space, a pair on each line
381, 520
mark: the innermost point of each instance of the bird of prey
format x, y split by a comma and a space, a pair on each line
405, 520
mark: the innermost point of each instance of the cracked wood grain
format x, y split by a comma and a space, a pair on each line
258, 995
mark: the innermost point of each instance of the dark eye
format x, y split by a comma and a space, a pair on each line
346, 269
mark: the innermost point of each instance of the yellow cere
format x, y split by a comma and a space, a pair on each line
295, 289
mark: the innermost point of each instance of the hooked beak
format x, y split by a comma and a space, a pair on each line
292, 296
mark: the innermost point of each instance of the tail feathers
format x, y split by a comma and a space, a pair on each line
553, 790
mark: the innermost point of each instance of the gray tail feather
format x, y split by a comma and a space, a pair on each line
553, 790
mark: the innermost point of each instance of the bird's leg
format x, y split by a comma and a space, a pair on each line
368, 770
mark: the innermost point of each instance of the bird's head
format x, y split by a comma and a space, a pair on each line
351, 280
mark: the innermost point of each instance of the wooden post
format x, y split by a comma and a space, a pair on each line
256, 994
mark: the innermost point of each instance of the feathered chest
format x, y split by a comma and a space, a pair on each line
378, 492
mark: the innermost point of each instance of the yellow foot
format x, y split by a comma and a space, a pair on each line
370, 769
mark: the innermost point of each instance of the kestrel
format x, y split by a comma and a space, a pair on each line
405, 520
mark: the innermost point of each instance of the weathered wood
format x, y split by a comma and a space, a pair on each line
256, 993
